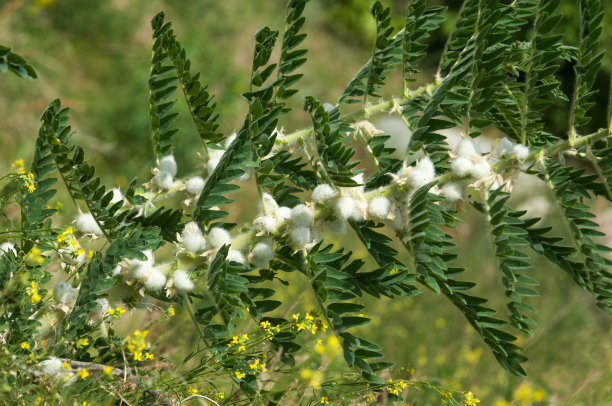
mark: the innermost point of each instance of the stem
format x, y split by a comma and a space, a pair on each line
528, 79
577, 77
449, 38
195, 321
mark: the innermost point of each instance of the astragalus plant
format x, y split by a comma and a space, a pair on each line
164, 246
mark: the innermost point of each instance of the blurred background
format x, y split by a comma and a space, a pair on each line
95, 56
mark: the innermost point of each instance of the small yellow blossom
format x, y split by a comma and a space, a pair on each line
239, 374
309, 317
84, 342
324, 400
85, 403
265, 324
66, 365
18, 165
90, 254
83, 373
170, 311
242, 348
138, 356
120, 309
108, 370
470, 400
25, 345
111, 311
148, 355
191, 391
296, 316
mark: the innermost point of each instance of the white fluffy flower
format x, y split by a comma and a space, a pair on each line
194, 185
63, 293
101, 309
452, 191
51, 366
214, 157
417, 178
465, 148
192, 238
480, 170
302, 215
283, 213
140, 268
346, 208
236, 256
218, 237
323, 193
261, 254
520, 151
300, 236
167, 164
269, 204
427, 167
117, 195
164, 180
153, 280
462, 167
182, 281
85, 223
6, 247
504, 148
379, 207
266, 224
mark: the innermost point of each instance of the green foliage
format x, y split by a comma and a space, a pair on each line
402, 214
13, 62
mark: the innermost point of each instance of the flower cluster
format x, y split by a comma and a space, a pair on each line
395, 387
269, 329
256, 366
239, 341
311, 322
136, 345
34, 295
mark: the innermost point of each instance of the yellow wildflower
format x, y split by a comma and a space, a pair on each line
324, 400
300, 326
191, 391
239, 374
25, 345
170, 311
309, 317
470, 400
108, 370
265, 324
85, 403
120, 309
83, 373
18, 165
138, 356
148, 355
296, 316
111, 311
66, 365
84, 342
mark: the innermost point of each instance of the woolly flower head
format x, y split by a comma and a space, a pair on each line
302, 215
167, 164
215, 156
6, 247
480, 170
63, 293
465, 148
452, 191
138, 268
300, 236
98, 313
283, 213
347, 208
520, 151
192, 238
269, 204
218, 237
504, 148
194, 185
379, 207
461, 167
261, 254
153, 279
85, 223
266, 224
236, 256
51, 367
323, 193
182, 282
164, 180
117, 195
